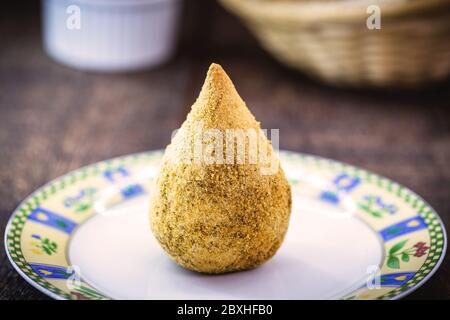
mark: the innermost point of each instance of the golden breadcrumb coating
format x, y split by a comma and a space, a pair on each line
217, 218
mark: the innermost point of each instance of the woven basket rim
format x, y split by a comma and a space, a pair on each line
320, 11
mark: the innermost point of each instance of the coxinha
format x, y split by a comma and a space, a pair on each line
217, 217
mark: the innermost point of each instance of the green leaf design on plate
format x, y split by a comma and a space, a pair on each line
393, 262
60, 223
405, 257
82, 207
394, 230
397, 246
48, 246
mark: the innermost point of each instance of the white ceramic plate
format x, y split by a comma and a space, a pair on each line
352, 235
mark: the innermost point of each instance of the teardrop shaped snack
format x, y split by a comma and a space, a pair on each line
213, 210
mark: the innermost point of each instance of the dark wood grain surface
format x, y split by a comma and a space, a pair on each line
54, 119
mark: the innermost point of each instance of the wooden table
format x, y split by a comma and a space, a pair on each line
54, 119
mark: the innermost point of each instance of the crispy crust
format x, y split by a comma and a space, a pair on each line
220, 217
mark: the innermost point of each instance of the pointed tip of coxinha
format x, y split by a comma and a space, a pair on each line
217, 87
219, 104
216, 70
217, 79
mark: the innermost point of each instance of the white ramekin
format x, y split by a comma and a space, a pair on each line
113, 35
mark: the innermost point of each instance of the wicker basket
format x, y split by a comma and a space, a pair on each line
330, 39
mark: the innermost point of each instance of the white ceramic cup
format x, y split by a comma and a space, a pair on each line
110, 35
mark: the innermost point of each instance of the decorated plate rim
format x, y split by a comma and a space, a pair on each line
298, 155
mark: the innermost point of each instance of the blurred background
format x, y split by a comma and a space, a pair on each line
333, 84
